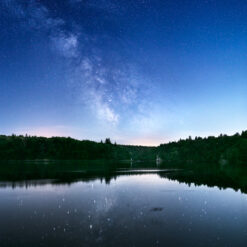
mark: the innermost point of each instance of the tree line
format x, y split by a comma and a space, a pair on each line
219, 150
64, 148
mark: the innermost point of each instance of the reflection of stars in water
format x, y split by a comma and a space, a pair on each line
20, 202
93, 220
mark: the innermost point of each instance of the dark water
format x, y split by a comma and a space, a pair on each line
110, 205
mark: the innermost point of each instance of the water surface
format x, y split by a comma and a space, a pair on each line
137, 206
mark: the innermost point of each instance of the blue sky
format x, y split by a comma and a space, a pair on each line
139, 72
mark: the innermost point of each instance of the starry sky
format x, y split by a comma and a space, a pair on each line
140, 72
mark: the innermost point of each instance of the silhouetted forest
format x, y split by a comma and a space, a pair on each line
220, 150
60, 148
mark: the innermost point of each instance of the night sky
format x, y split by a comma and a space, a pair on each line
139, 72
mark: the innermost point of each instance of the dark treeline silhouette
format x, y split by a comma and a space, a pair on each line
61, 148
221, 150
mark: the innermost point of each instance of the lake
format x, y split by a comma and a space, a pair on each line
137, 205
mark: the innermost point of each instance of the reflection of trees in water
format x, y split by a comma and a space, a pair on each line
56, 175
235, 178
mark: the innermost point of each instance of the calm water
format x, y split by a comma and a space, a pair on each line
133, 207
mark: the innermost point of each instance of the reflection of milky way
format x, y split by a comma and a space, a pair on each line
128, 210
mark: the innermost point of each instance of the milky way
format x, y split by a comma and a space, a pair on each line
140, 72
